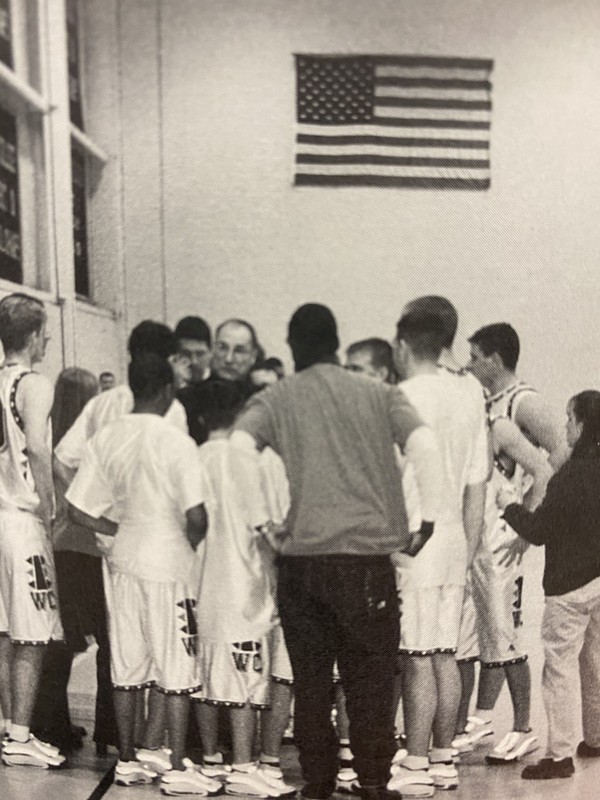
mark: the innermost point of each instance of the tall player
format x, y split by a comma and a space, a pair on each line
432, 583
29, 616
497, 572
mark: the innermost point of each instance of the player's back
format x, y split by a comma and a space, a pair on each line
17, 487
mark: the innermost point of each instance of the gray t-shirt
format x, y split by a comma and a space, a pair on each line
335, 433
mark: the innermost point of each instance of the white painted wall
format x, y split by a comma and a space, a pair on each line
207, 99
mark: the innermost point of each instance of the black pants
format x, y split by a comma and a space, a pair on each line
83, 612
345, 608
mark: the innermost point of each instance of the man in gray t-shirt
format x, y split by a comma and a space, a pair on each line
337, 594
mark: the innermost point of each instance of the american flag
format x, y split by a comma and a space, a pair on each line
400, 121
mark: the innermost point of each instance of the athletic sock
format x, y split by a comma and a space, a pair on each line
439, 755
415, 762
19, 733
244, 767
484, 713
270, 760
215, 758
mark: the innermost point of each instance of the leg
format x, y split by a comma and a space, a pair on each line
308, 626
448, 687
466, 671
518, 677
589, 669
105, 727
341, 720
156, 719
419, 692
177, 711
243, 726
491, 680
51, 720
125, 709
6, 656
274, 720
25, 676
207, 718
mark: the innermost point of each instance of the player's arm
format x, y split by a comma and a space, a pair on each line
473, 516
196, 524
543, 428
534, 462
34, 403
97, 524
554, 513
63, 474
422, 451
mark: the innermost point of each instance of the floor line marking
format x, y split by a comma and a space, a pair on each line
104, 785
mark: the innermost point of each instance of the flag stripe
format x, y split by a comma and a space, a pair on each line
433, 93
402, 161
432, 73
436, 103
394, 150
432, 83
391, 169
389, 141
369, 129
441, 62
423, 122
392, 182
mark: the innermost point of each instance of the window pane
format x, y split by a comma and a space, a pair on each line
5, 42
82, 279
11, 267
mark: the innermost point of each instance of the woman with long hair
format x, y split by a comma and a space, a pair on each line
81, 595
568, 523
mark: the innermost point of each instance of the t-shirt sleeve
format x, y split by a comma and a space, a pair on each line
257, 421
479, 467
89, 491
71, 448
403, 415
189, 477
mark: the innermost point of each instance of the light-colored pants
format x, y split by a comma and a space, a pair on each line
571, 636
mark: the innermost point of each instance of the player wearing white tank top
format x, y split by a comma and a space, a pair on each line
28, 603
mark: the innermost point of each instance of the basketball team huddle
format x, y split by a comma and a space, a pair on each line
335, 542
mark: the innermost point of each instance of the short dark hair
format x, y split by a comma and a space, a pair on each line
275, 365
424, 334
439, 307
381, 354
107, 374
312, 334
219, 402
249, 327
20, 316
152, 337
500, 338
193, 328
586, 407
148, 373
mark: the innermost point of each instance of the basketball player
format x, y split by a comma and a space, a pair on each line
29, 616
147, 477
497, 573
432, 583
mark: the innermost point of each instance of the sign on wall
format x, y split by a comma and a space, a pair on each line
398, 121
10, 226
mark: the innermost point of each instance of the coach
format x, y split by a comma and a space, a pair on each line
337, 594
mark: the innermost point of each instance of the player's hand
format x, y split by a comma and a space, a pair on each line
420, 538
512, 553
274, 534
505, 497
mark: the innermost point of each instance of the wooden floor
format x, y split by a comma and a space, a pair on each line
84, 775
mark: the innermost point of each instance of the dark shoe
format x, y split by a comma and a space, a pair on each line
547, 768
101, 749
318, 791
587, 751
378, 793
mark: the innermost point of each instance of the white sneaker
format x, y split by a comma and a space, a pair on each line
514, 745
128, 773
274, 777
31, 753
214, 769
215, 785
158, 760
445, 776
411, 782
475, 731
398, 758
272, 768
188, 781
255, 784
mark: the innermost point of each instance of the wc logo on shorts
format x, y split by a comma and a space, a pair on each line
247, 656
40, 584
190, 625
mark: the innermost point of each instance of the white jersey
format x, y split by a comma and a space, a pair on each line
17, 487
236, 602
452, 405
100, 410
145, 475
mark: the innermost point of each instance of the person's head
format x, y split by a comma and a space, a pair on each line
312, 335
74, 387
158, 339
275, 365
494, 350
221, 402
438, 307
194, 342
107, 381
151, 381
235, 350
583, 424
419, 339
23, 326
372, 358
